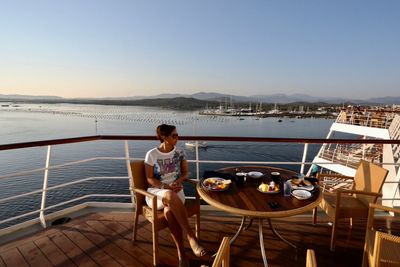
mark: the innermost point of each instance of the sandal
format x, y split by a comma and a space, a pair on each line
184, 262
198, 250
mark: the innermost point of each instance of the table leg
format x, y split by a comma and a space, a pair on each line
237, 233
278, 235
260, 232
250, 223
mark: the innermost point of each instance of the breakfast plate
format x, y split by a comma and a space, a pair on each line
215, 184
255, 174
301, 194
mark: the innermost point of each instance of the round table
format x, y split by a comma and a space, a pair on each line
250, 203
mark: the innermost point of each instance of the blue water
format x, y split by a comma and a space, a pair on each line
42, 122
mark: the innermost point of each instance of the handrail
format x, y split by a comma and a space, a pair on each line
126, 138
199, 138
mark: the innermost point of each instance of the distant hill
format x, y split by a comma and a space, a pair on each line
386, 100
216, 97
23, 97
177, 103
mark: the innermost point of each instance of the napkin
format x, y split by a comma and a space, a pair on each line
208, 174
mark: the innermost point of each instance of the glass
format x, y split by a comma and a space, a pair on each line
276, 177
287, 188
175, 135
240, 177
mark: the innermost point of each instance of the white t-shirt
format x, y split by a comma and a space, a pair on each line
167, 166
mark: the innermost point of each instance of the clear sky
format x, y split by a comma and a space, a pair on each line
98, 48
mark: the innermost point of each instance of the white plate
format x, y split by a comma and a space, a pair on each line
255, 174
216, 184
301, 194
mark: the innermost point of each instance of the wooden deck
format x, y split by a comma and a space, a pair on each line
104, 239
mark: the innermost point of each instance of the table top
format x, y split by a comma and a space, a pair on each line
247, 201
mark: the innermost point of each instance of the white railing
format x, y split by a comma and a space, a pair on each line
127, 158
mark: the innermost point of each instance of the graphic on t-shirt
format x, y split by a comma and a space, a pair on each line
168, 169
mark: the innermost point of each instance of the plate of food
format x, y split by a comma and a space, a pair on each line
270, 188
255, 174
301, 184
215, 184
301, 194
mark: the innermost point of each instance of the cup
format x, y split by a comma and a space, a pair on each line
240, 178
276, 177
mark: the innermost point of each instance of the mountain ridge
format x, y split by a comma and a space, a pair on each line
278, 98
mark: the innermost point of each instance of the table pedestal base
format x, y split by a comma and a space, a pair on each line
260, 232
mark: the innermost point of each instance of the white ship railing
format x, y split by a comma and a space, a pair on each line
45, 188
368, 118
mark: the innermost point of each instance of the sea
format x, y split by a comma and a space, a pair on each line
34, 122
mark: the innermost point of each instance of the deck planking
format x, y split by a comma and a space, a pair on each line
104, 239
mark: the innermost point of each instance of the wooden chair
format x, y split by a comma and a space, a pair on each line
154, 216
311, 260
354, 203
380, 249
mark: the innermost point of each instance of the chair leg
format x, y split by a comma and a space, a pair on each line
155, 244
333, 236
135, 224
197, 226
315, 215
365, 262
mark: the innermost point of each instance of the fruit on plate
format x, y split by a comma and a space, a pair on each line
263, 187
216, 183
271, 187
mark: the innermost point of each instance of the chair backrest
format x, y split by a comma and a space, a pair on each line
223, 254
381, 249
139, 180
311, 261
369, 178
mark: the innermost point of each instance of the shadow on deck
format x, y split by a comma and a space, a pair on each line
104, 239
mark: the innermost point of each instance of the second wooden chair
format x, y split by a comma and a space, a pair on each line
367, 185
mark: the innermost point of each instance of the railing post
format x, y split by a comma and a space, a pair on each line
304, 158
45, 180
128, 167
197, 161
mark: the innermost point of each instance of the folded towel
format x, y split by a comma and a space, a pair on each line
208, 174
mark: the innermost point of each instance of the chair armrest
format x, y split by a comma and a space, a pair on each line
143, 192
341, 191
338, 176
191, 181
384, 208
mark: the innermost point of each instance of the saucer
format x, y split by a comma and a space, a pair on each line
255, 174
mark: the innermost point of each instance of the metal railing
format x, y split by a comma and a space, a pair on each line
127, 158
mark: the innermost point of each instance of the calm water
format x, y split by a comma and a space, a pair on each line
41, 122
